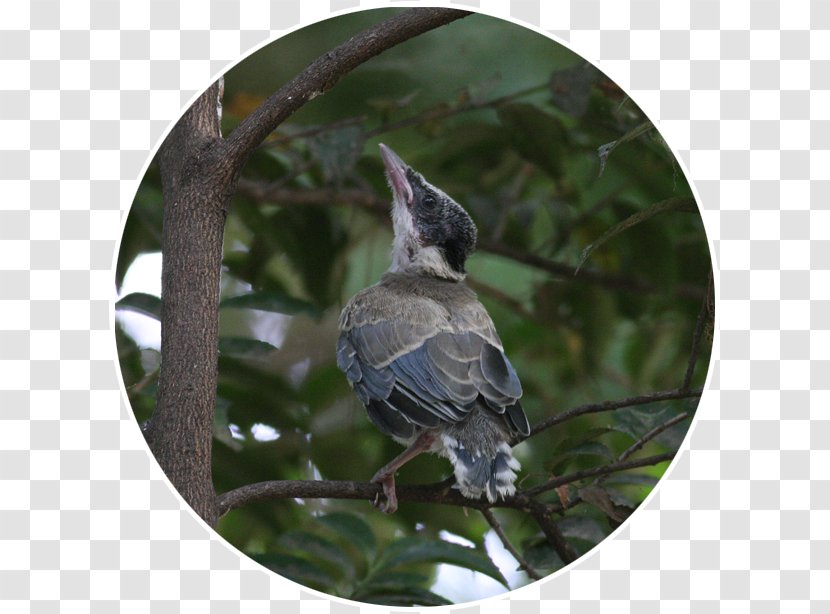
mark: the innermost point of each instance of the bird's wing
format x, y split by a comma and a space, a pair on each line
416, 374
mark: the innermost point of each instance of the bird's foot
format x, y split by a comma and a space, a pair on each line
387, 502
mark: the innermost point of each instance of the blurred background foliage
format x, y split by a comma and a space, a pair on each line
556, 165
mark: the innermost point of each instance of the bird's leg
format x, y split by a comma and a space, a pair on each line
386, 474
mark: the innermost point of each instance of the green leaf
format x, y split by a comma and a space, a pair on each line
592, 448
312, 546
352, 528
272, 300
582, 527
611, 505
415, 550
411, 597
295, 568
637, 421
244, 347
539, 554
605, 150
681, 203
537, 136
142, 303
392, 581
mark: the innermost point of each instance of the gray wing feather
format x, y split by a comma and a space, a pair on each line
498, 371
414, 374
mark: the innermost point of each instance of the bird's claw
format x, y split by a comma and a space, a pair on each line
387, 501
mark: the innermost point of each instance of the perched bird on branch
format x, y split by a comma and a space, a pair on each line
422, 354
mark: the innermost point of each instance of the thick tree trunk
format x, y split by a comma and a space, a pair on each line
199, 172
196, 186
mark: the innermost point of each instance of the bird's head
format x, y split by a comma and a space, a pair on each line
434, 235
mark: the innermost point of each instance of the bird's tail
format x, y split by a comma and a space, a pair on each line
476, 473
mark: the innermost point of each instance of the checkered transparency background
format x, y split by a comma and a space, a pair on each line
740, 90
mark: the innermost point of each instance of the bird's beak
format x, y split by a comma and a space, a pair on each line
396, 171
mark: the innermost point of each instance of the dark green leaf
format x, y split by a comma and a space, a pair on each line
312, 546
392, 581
637, 421
582, 527
602, 499
539, 554
414, 550
353, 528
411, 597
295, 568
672, 204
139, 302
537, 136
243, 347
605, 150
274, 301
591, 448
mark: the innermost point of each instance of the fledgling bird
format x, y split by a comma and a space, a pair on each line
422, 354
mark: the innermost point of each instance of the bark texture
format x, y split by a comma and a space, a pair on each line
195, 183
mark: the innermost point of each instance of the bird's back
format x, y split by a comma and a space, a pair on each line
420, 301
422, 353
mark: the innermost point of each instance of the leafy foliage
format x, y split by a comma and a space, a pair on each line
519, 149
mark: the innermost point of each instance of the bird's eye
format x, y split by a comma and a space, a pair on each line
429, 201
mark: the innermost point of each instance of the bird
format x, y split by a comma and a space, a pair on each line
422, 354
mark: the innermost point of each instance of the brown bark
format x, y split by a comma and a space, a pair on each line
195, 184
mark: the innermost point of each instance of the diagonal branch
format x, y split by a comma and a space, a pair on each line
593, 408
638, 445
496, 526
324, 72
554, 536
595, 471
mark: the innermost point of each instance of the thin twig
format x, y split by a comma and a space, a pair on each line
614, 467
592, 408
570, 272
316, 130
637, 445
523, 564
702, 317
324, 72
554, 536
443, 113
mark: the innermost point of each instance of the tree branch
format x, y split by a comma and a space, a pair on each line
593, 408
554, 536
496, 526
638, 445
442, 491
324, 72
595, 471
